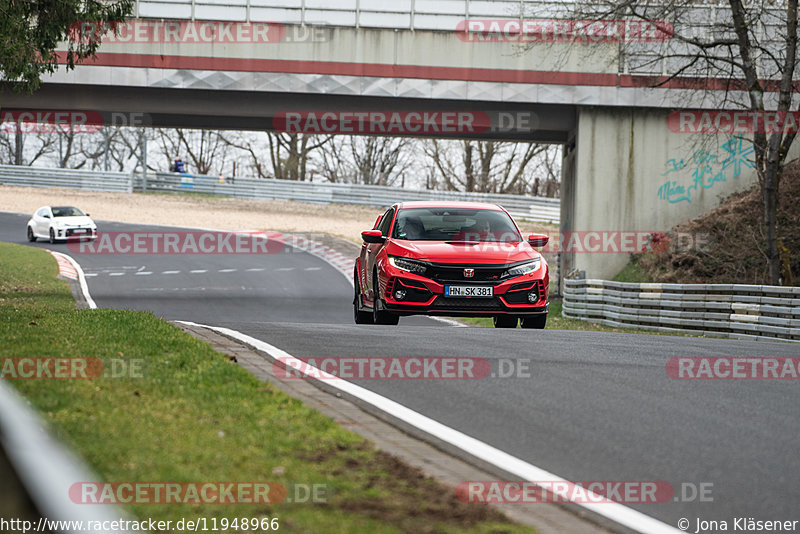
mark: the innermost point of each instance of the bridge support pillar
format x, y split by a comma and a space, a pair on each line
627, 171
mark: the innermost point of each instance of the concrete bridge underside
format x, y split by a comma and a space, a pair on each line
255, 110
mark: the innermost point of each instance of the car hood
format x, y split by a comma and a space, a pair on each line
79, 220
455, 252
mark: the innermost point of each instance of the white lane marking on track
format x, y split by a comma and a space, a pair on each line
140, 273
519, 468
313, 269
87, 275
170, 272
116, 274
254, 269
198, 271
285, 269
227, 270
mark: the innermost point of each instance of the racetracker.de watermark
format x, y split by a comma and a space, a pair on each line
733, 368
410, 122
601, 241
197, 242
585, 491
400, 368
563, 31
69, 368
194, 32
733, 122
67, 121
207, 492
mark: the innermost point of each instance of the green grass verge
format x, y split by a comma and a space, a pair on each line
196, 416
632, 272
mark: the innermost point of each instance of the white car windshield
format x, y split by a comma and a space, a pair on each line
66, 211
455, 224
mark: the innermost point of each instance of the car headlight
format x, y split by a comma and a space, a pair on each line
412, 266
525, 268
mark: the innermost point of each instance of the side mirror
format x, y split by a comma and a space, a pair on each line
372, 236
86, 214
538, 240
46, 215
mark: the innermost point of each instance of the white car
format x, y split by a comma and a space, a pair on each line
60, 223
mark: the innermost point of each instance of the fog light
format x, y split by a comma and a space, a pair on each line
400, 294
533, 296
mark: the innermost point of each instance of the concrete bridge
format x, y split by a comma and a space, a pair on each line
491, 69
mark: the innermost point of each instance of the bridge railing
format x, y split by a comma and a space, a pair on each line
398, 14
725, 310
524, 207
646, 58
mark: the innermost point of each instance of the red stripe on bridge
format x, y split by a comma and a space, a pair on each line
378, 70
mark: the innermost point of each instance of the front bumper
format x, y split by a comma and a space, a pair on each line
424, 296
76, 233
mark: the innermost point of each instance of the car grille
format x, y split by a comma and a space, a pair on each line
72, 231
443, 272
478, 304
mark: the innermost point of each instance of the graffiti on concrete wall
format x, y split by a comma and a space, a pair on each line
705, 169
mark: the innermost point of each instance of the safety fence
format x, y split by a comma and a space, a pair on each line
523, 207
116, 182
526, 207
726, 310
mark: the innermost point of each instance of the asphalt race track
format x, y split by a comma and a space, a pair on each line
593, 406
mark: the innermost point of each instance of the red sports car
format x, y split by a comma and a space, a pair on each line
450, 258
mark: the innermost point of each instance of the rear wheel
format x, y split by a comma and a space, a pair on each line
505, 321
534, 321
379, 315
31, 236
361, 317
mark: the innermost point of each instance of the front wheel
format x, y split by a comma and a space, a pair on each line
52, 236
31, 236
534, 321
505, 321
380, 316
361, 317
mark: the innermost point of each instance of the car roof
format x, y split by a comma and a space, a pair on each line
449, 204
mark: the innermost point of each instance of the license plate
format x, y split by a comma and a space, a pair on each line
79, 231
468, 291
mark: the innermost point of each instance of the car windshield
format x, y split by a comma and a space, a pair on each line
66, 211
455, 224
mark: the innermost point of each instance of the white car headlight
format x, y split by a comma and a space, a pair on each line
524, 268
412, 266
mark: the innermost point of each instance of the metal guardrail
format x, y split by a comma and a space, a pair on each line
727, 310
47, 471
115, 182
523, 207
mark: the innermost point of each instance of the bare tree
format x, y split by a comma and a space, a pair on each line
290, 153
368, 160
18, 148
753, 49
488, 166
204, 151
